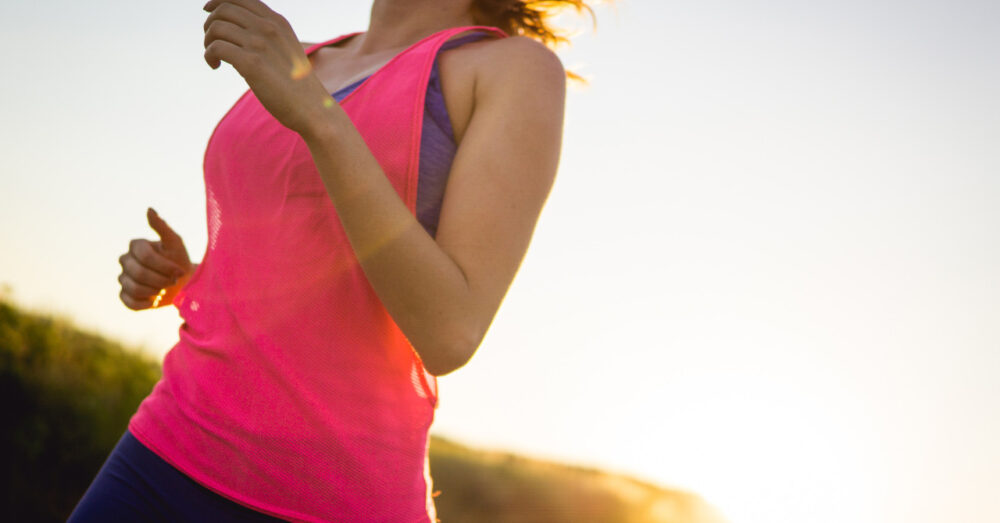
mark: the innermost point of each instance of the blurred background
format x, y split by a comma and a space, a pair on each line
768, 273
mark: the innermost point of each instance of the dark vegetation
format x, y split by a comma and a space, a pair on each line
66, 397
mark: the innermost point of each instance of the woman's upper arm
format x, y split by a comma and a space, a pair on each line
504, 166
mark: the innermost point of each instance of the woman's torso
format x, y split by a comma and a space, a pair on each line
251, 404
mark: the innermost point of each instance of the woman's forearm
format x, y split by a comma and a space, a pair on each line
423, 289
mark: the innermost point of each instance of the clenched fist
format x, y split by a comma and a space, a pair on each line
263, 48
153, 271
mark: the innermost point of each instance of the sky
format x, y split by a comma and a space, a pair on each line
768, 272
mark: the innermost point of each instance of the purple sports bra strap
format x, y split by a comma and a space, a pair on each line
429, 48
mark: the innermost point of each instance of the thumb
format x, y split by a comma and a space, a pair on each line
168, 238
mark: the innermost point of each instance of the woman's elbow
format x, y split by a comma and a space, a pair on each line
451, 352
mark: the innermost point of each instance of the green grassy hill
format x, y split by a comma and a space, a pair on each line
67, 396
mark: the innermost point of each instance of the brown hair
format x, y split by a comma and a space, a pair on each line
529, 18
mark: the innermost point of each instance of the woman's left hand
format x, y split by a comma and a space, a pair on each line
261, 45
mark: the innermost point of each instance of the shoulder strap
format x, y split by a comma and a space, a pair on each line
454, 31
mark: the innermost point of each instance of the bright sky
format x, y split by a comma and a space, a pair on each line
769, 271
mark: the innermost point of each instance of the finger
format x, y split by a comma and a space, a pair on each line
254, 6
228, 31
143, 252
168, 237
256, 18
151, 255
136, 289
146, 276
235, 14
222, 51
134, 304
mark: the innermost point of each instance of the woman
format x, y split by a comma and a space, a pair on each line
359, 247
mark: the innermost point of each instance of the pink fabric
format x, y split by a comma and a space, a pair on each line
291, 390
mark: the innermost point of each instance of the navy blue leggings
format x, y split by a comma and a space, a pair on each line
135, 484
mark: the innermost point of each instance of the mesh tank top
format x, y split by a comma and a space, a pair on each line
291, 390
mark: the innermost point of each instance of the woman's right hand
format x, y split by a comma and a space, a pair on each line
154, 271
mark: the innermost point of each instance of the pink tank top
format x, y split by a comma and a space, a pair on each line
291, 390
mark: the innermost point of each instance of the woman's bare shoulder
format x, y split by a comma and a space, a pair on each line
522, 48
511, 71
497, 57
478, 70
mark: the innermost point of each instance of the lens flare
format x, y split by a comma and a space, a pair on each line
300, 68
159, 298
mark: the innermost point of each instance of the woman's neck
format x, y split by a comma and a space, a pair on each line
397, 24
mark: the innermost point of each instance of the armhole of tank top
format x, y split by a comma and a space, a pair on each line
456, 42
486, 32
428, 380
209, 247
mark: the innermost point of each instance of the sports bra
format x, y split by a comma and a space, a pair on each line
437, 144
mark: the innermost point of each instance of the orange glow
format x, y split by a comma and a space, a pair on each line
300, 68
159, 298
